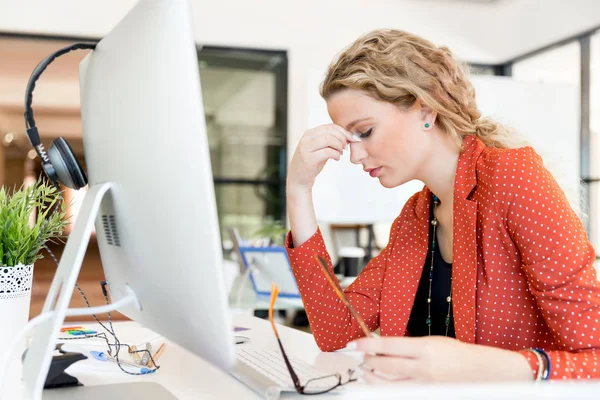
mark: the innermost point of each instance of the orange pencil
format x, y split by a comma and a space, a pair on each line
342, 297
156, 355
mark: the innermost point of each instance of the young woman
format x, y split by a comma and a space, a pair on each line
488, 273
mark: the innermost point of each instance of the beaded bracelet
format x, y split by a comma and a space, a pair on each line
540, 371
546, 373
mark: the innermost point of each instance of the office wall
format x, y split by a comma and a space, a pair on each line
56, 98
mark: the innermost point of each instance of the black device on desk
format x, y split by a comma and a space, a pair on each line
57, 377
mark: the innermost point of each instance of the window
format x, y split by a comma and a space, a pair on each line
476, 69
245, 102
557, 65
594, 186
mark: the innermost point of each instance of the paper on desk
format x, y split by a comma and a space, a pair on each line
240, 329
92, 364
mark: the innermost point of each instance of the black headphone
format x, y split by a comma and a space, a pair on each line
59, 164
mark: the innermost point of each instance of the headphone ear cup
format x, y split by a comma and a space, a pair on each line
67, 167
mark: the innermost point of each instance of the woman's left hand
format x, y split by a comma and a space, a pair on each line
438, 359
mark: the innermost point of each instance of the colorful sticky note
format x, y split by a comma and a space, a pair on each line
81, 332
71, 328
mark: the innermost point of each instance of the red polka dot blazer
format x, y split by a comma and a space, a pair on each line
523, 272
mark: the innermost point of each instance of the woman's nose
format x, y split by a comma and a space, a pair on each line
357, 153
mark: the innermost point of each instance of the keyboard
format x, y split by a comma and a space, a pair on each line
266, 373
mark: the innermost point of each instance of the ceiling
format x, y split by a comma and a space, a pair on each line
482, 31
472, 1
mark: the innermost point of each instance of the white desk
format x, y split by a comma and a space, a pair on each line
189, 377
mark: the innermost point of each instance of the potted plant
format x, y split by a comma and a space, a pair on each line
273, 230
29, 218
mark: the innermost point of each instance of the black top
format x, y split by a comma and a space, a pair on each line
440, 289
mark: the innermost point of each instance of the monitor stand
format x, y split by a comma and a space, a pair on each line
56, 308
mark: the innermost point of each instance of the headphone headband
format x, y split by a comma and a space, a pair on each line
33, 134
59, 164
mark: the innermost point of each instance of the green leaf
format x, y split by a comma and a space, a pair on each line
272, 229
21, 241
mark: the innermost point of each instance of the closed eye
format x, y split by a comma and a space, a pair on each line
366, 134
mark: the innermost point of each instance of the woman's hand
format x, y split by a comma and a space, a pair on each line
316, 146
438, 359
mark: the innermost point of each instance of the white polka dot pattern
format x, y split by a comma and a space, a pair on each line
523, 271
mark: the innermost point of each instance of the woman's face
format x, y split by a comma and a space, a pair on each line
395, 143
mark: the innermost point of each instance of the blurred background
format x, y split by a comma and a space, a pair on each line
260, 66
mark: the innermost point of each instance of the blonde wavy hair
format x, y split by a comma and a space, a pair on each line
399, 68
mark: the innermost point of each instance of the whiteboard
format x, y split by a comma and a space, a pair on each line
547, 115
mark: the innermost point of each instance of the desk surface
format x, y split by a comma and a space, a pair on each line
189, 377
186, 375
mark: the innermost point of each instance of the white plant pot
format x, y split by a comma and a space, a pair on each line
15, 301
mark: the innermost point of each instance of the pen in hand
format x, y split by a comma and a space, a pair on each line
323, 264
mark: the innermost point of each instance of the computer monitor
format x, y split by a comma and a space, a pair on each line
150, 191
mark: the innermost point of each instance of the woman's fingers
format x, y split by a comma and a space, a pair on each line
327, 138
409, 347
338, 133
391, 367
347, 135
325, 154
375, 377
323, 136
316, 146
